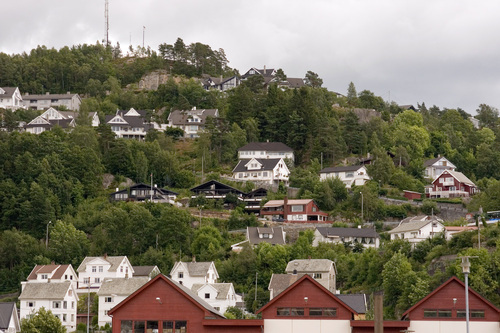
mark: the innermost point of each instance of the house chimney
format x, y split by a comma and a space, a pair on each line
194, 259
105, 255
264, 69
117, 189
47, 93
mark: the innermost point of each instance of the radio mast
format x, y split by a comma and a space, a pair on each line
106, 23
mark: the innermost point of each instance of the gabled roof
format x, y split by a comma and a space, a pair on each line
198, 268
314, 282
113, 261
458, 176
180, 288
51, 96
347, 232
267, 164
279, 282
181, 117
121, 286
146, 186
45, 290
215, 185
144, 270
7, 91
451, 280
7, 310
342, 168
257, 193
310, 265
56, 270
267, 146
431, 161
277, 232
222, 289
416, 223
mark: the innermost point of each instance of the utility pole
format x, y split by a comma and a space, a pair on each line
255, 299
143, 32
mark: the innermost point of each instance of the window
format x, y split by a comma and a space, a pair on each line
65, 305
285, 312
264, 174
180, 275
30, 304
45, 276
65, 276
72, 317
349, 175
139, 326
126, 326
207, 295
94, 269
64, 317
317, 275
108, 299
56, 305
472, 313
100, 269
86, 280
97, 280
435, 313
297, 208
72, 304
323, 312
152, 326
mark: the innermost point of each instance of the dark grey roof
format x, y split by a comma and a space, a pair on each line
160, 190
279, 282
295, 82
341, 168
267, 164
143, 270
267, 146
213, 185
357, 302
431, 161
55, 290
277, 232
121, 286
180, 117
132, 121
6, 313
348, 232
198, 268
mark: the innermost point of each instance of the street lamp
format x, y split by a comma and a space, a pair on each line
362, 199
466, 270
47, 236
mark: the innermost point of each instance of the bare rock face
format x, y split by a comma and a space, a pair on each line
152, 81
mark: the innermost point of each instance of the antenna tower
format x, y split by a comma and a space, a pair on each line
106, 22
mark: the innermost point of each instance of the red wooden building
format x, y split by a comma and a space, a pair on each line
163, 305
445, 308
451, 184
293, 210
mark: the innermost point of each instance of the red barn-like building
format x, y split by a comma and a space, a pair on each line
163, 305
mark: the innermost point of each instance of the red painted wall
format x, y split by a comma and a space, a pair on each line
443, 299
316, 298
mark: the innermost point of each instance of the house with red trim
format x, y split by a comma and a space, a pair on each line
295, 210
443, 311
163, 305
451, 184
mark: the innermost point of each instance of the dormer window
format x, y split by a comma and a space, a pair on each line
44, 277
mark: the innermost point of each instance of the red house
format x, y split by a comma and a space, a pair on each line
163, 305
451, 184
445, 308
301, 210
307, 306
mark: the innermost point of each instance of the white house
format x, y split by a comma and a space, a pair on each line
60, 298
354, 175
321, 270
192, 122
268, 171
435, 167
9, 319
266, 150
190, 273
417, 228
52, 117
53, 273
219, 295
10, 98
94, 270
131, 124
113, 291
42, 102
367, 237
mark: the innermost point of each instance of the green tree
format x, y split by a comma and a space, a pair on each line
67, 244
42, 321
313, 80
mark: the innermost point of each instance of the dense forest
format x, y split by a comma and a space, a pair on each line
66, 177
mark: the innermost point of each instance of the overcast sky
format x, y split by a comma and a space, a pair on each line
441, 52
